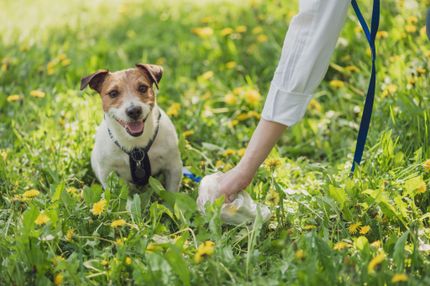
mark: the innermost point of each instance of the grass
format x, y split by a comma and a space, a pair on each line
59, 227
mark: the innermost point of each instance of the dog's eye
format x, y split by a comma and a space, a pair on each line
142, 88
113, 93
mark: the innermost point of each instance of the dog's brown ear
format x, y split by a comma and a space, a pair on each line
153, 71
95, 80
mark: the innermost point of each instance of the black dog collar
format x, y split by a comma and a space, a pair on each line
140, 167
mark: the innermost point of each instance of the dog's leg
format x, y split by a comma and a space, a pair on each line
173, 177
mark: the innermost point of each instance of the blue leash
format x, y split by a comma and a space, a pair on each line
187, 173
368, 105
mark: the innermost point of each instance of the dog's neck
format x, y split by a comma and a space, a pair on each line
126, 140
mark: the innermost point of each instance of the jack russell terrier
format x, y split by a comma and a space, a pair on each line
136, 139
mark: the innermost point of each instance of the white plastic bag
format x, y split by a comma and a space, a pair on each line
241, 209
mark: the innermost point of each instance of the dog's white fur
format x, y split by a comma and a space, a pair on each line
164, 154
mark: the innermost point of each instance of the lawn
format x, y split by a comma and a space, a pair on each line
58, 226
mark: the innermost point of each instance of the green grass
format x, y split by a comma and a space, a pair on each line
45, 144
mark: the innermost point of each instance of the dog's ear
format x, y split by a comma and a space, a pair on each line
95, 80
154, 72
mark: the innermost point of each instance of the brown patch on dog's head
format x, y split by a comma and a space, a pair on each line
115, 88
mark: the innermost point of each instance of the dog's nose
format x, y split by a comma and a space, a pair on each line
134, 112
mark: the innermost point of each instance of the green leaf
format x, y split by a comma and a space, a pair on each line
338, 195
178, 264
399, 251
134, 207
92, 194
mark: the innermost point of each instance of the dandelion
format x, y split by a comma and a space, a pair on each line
128, 260
231, 65
257, 30
389, 89
272, 197
309, 227
300, 254
119, 242
241, 29
118, 223
205, 249
262, 38
70, 233
98, 207
422, 187
378, 259
14, 98
353, 228
230, 99
3, 154
352, 69
314, 105
399, 277
241, 152
272, 163
37, 93
411, 28
173, 109
426, 165
207, 75
50, 67
203, 32
104, 262
188, 133
252, 96
382, 34
341, 245
421, 70
376, 244
41, 219
412, 20
58, 279
30, 194
226, 31
229, 152
336, 83
364, 229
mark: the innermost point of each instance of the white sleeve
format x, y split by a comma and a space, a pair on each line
308, 46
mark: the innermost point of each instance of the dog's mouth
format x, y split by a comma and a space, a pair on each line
134, 128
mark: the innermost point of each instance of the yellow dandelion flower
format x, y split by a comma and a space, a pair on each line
257, 30
50, 67
262, 38
65, 62
364, 229
411, 28
300, 254
57, 259
41, 219
188, 133
119, 241
219, 164
128, 260
203, 32
104, 262
382, 34
242, 117
230, 99
72, 191
352, 69
207, 75
229, 152
37, 93
421, 70
272, 197
238, 90
241, 152
58, 279
336, 83
309, 227
173, 109
341, 245
272, 163
412, 20
226, 31
422, 187
314, 105
31, 194
241, 29
98, 207
118, 223
252, 96
14, 98
426, 165
231, 65
399, 277
207, 19
378, 259
353, 228
70, 233
205, 249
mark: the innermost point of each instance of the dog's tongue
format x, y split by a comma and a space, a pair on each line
135, 127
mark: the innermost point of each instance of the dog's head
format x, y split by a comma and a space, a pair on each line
128, 95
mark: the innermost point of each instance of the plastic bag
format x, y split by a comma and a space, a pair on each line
241, 209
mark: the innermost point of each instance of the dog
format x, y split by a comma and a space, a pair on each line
136, 139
